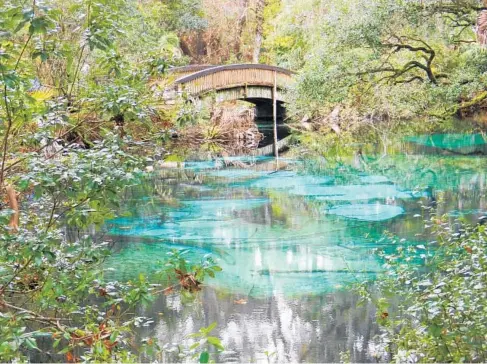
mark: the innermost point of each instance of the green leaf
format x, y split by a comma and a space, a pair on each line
31, 343
204, 357
39, 25
40, 54
215, 342
210, 328
65, 350
56, 343
435, 330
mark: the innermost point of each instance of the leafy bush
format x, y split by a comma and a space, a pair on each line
431, 300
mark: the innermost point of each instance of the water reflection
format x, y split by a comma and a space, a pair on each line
288, 242
308, 328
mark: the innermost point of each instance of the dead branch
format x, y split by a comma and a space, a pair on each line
13, 204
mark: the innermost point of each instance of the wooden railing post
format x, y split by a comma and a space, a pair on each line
274, 115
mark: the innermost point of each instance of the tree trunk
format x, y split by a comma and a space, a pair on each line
185, 47
481, 28
259, 14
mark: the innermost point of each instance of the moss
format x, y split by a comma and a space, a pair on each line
174, 158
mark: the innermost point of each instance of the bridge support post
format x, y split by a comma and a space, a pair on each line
274, 115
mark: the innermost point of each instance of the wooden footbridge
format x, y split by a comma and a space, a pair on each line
260, 84
250, 82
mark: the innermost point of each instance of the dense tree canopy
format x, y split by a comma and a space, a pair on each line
400, 58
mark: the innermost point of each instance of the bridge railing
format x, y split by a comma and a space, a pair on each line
188, 70
225, 77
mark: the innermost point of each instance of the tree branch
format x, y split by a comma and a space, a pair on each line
32, 313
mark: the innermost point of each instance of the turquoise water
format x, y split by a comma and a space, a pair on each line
290, 237
285, 233
457, 143
292, 231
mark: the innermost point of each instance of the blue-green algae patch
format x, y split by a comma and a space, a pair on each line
367, 212
236, 173
449, 141
353, 192
201, 165
458, 143
290, 181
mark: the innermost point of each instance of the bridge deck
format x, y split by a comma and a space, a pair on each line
232, 76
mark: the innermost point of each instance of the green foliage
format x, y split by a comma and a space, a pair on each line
88, 180
380, 59
205, 342
69, 71
62, 274
206, 267
431, 302
184, 15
